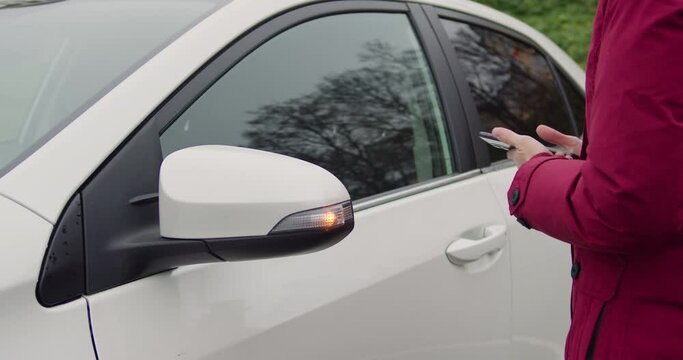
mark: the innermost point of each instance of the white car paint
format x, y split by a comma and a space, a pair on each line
30, 331
202, 196
323, 305
364, 298
540, 284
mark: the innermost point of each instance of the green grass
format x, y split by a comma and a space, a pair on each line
567, 22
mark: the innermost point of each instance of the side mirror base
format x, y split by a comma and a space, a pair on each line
276, 245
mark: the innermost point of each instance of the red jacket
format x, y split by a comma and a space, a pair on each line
621, 204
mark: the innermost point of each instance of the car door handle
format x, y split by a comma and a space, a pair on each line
474, 244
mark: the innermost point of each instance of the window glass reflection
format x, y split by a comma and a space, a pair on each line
577, 102
511, 82
351, 93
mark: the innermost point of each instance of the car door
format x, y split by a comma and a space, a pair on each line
511, 82
363, 90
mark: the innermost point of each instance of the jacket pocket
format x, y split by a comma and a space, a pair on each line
594, 337
582, 330
595, 284
600, 274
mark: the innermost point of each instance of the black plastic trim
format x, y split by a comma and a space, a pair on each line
145, 198
563, 93
480, 152
62, 275
475, 20
122, 219
450, 97
560, 71
276, 245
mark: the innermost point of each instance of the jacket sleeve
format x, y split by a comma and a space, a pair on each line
627, 196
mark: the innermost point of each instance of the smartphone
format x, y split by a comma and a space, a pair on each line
493, 141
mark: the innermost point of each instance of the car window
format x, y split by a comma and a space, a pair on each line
512, 83
58, 57
577, 101
352, 93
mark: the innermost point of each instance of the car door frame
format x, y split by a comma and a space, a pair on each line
484, 164
233, 53
136, 177
434, 15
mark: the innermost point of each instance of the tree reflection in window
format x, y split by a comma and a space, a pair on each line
376, 124
512, 83
374, 127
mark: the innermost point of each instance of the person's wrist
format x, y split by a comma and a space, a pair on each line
541, 154
537, 155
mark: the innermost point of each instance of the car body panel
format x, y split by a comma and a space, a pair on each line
387, 291
540, 283
30, 331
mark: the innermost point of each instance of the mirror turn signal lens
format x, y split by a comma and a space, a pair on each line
320, 219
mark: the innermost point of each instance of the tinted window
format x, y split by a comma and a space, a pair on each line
351, 93
577, 101
512, 83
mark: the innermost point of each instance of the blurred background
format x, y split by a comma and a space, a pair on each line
567, 22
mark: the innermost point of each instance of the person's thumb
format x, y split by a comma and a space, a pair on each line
506, 135
555, 137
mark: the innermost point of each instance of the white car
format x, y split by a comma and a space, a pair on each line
159, 159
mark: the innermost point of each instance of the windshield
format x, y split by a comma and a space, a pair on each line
58, 57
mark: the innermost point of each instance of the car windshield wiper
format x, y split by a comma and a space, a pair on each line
7, 4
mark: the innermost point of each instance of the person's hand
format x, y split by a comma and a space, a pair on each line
571, 143
525, 147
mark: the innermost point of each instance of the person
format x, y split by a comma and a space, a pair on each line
620, 204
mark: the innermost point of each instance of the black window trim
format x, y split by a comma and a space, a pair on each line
563, 93
558, 70
435, 14
449, 94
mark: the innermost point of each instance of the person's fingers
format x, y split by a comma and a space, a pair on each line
510, 154
507, 136
555, 137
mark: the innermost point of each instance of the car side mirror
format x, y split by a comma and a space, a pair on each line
249, 204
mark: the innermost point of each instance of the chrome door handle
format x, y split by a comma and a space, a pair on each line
476, 243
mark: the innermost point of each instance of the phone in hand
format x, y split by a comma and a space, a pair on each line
493, 141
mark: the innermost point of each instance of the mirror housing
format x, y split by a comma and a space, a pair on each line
249, 204
217, 203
